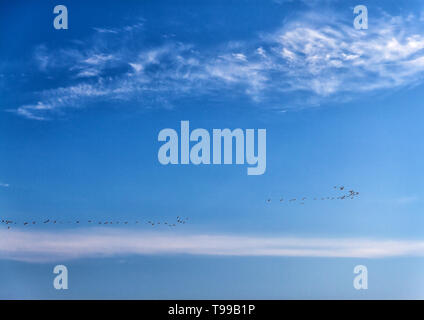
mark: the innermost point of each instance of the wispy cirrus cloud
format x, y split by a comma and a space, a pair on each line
40, 246
128, 28
320, 56
406, 200
331, 57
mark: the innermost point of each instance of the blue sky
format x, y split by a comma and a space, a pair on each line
81, 110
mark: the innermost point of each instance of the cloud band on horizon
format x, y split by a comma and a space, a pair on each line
47, 246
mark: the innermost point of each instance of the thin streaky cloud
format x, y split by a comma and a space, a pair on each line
106, 30
407, 199
37, 246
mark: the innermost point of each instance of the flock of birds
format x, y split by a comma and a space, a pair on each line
350, 194
10, 223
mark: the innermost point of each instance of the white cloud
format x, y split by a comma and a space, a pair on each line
261, 52
97, 59
330, 57
91, 72
34, 111
406, 199
106, 30
53, 246
136, 66
4, 185
116, 31
316, 54
239, 56
42, 58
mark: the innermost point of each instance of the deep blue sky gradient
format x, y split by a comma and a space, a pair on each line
99, 160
